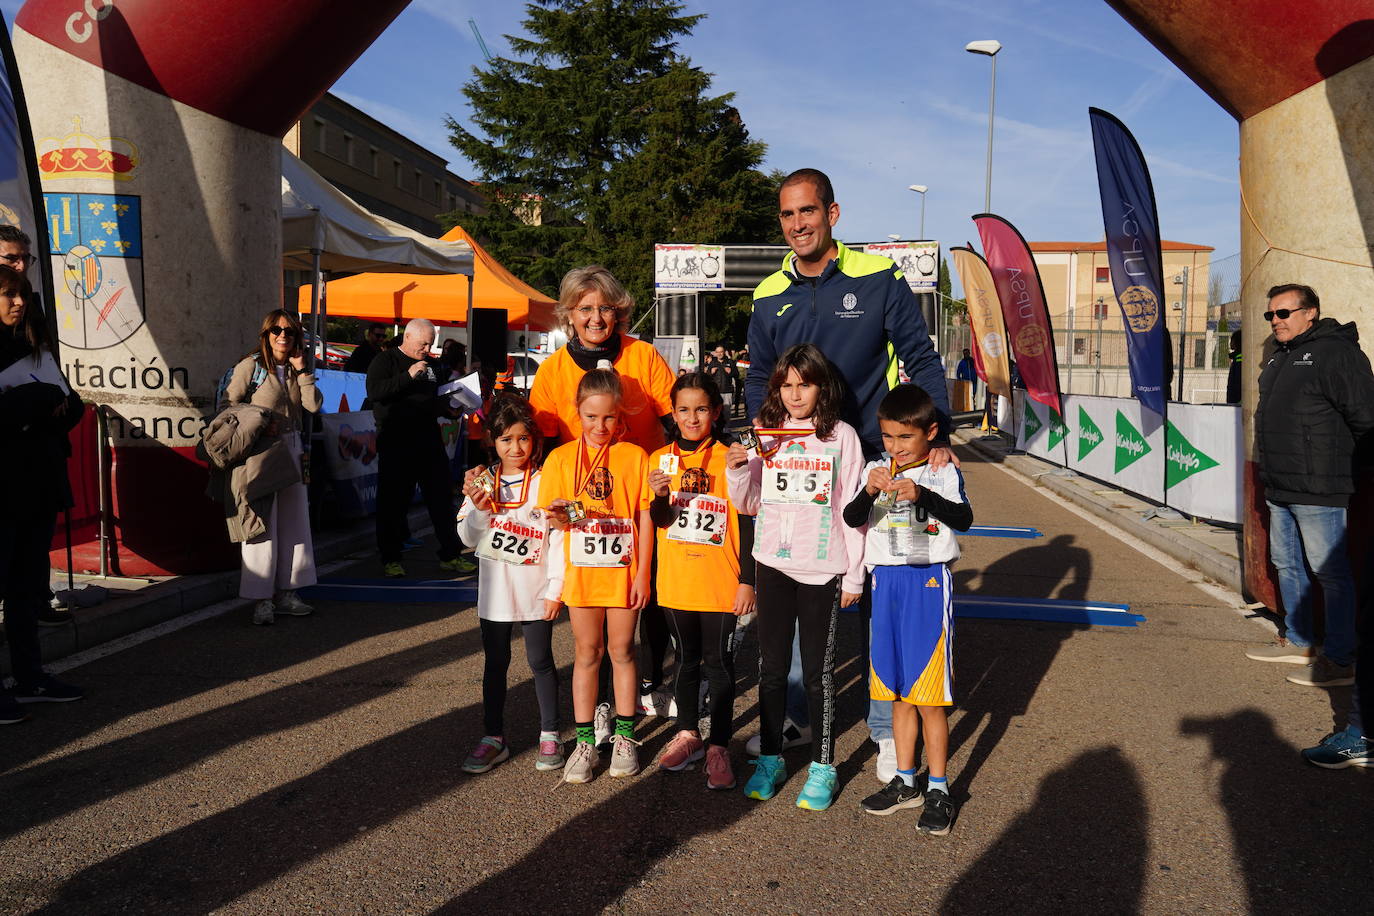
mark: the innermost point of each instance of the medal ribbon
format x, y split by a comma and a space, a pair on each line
706, 458
524, 491
582, 461
778, 432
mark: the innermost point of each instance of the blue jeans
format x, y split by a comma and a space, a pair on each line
1315, 534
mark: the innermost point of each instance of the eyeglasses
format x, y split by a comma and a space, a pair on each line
586, 312
1282, 314
13, 259
279, 331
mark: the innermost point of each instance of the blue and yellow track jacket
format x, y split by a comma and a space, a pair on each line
863, 316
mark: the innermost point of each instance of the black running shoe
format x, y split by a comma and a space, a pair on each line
938, 815
48, 690
892, 797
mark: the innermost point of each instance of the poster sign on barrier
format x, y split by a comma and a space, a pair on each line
1203, 460
689, 267
351, 453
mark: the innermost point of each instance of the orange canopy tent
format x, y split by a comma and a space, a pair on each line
442, 298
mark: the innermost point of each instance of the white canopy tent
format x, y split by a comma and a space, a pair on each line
324, 229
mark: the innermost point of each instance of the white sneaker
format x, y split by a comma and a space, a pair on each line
792, 736
290, 604
581, 765
624, 757
657, 703
603, 724
264, 613
887, 760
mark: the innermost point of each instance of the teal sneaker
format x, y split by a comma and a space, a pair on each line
819, 790
769, 775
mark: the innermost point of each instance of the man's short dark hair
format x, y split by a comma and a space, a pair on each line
817, 179
14, 234
909, 405
1307, 296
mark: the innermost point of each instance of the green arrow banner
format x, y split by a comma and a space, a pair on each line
1181, 458
1130, 444
1089, 436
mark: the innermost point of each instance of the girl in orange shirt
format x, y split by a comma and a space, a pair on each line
702, 585
594, 487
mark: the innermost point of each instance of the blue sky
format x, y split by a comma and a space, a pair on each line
882, 95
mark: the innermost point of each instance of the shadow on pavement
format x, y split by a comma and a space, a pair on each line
1081, 848
1300, 833
90, 776
1004, 662
195, 660
210, 863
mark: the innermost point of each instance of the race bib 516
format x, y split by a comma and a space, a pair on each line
602, 542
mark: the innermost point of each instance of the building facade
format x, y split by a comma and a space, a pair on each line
1090, 339
381, 169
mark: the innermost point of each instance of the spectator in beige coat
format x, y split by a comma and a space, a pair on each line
282, 559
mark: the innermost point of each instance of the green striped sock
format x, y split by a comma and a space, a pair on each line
586, 733
625, 726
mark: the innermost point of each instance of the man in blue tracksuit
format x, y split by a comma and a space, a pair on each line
862, 314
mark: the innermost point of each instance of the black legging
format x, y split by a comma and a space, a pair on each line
538, 636
653, 642
704, 639
786, 606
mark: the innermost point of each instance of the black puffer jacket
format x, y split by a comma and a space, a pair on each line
1316, 407
34, 447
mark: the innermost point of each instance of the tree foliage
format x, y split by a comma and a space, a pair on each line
598, 138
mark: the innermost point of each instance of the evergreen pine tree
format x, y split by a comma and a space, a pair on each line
597, 138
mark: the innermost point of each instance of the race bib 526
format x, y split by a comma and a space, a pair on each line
510, 541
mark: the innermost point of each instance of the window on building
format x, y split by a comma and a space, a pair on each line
1104, 275
419, 185
372, 161
321, 141
348, 149
1080, 346
399, 173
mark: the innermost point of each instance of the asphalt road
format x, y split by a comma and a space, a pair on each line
314, 767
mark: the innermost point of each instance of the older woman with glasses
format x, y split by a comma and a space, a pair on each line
282, 559
594, 311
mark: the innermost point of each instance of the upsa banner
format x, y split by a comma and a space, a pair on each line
1023, 305
1133, 251
351, 455
985, 318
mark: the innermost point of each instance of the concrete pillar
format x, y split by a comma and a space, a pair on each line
1300, 78
158, 129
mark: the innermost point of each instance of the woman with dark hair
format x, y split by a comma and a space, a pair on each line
34, 421
282, 559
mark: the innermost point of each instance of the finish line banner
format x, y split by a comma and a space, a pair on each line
1191, 463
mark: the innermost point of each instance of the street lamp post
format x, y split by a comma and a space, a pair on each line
990, 48
921, 189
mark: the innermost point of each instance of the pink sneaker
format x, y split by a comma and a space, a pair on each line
719, 774
684, 750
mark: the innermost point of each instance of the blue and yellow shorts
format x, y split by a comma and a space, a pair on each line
911, 652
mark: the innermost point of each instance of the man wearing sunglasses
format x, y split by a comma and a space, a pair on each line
15, 249
363, 354
1316, 408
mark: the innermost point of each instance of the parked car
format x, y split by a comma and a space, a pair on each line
526, 365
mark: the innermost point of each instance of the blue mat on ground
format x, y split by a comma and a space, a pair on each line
987, 607
1001, 531
1046, 610
393, 591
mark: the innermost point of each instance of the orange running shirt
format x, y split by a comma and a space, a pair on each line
628, 465
645, 377
697, 576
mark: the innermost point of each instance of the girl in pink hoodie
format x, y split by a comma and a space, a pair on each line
806, 466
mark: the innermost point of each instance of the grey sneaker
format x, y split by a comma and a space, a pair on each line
624, 757
550, 754
264, 613
290, 604
581, 763
1282, 651
602, 722
1322, 672
792, 736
